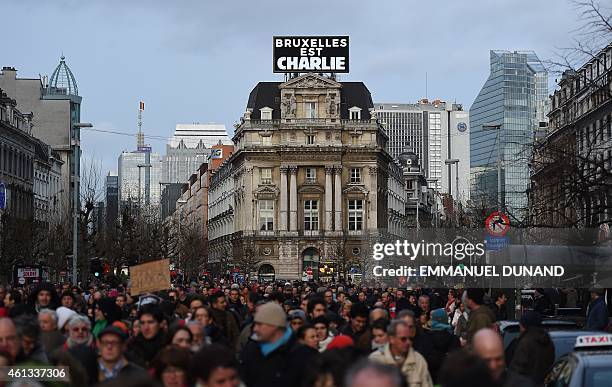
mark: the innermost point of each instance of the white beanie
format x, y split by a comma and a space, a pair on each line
63, 315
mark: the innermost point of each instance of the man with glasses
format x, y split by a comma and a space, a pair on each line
112, 361
399, 352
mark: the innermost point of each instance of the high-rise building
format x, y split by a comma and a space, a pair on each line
435, 131
111, 198
56, 105
189, 148
507, 114
136, 184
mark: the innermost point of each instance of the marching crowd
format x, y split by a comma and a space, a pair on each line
281, 334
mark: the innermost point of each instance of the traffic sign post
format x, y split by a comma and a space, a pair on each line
497, 225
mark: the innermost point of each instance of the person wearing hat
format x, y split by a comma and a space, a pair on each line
442, 342
270, 358
296, 318
111, 355
597, 311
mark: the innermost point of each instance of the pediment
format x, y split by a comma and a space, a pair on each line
310, 81
355, 188
311, 189
266, 191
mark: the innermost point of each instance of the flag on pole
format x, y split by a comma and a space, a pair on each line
141, 106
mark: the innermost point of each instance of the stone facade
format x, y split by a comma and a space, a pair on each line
571, 171
307, 189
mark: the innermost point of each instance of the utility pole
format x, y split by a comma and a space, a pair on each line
76, 165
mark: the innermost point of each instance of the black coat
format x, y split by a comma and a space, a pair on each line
142, 351
282, 367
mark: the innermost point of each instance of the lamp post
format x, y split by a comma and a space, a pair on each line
181, 202
76, 155
492, 126
450, 162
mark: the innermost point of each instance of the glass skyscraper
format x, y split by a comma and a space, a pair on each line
514, 96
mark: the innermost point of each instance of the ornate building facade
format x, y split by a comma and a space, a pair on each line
308, 191
571, 174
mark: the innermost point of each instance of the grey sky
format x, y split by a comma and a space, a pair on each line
197, 61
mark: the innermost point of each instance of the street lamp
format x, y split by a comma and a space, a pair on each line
76, 144
493, 126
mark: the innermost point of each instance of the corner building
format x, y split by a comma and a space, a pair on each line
310, 181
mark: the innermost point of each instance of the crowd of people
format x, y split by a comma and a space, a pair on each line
280, 334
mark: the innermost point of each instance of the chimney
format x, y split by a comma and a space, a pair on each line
9, 72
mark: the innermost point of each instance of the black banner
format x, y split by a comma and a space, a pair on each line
310, 54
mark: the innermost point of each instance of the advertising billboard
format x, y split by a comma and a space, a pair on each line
310, 54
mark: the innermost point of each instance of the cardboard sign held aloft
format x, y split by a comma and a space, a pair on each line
150, 277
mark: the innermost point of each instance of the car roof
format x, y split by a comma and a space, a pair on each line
571, 333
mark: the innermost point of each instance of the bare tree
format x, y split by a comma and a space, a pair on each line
593, 33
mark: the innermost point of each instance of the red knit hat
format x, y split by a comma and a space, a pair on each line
341, 341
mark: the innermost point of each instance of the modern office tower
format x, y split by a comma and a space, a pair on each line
435, 131
189, 148
505, 117
135, 184
111, 198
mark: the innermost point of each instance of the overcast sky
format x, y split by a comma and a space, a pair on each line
197, 61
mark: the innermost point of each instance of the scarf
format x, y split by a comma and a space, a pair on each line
268, 348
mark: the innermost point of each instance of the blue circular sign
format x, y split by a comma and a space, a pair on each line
462, 127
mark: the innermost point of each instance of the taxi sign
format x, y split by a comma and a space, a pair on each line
593, 341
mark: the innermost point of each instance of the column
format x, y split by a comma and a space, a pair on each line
338, 197
250, 213
293, 198
329, 170
283, 198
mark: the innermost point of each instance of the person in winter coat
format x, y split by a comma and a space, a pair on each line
143, 348
271, 359
532, 353
224, 319
399, 353
442, 341
597, 312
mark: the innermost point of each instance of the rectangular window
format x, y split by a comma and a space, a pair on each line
266, 115
266, 175
355, 175
311, 175
310, 110
266, 215
355, 115
355, 215
310, 139
311, 215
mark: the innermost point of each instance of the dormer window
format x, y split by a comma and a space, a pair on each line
266, 113
355, 113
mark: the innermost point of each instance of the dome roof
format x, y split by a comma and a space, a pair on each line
62, 81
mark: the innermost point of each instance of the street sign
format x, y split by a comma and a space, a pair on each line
309, 271
2, 196
495, 243
497, 224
